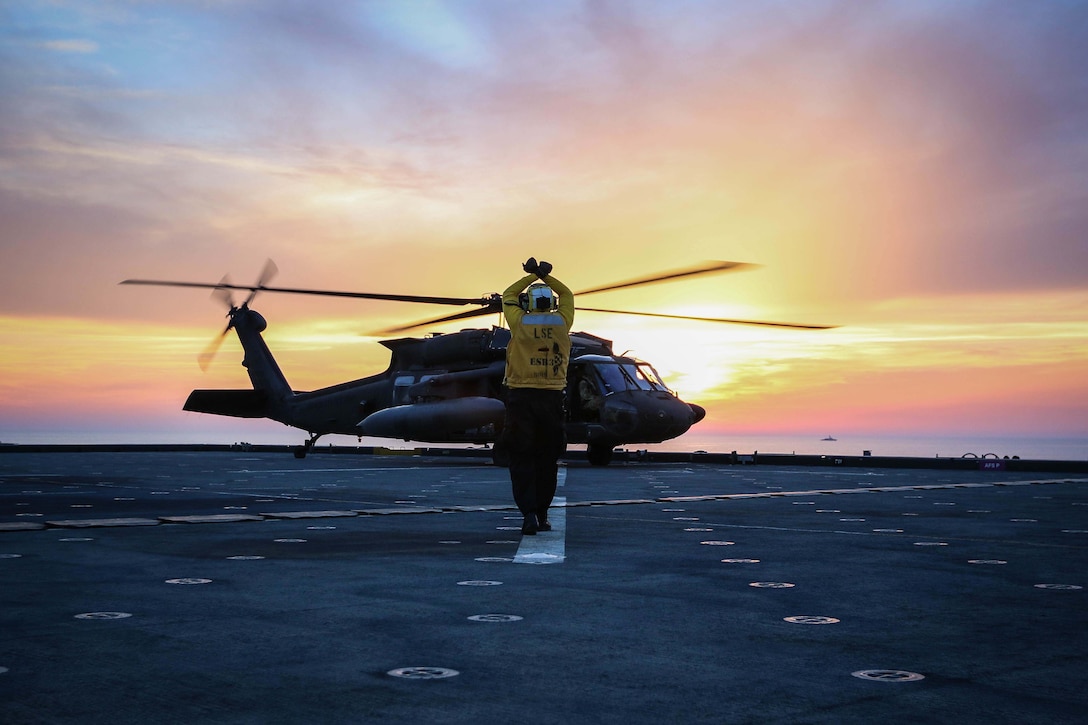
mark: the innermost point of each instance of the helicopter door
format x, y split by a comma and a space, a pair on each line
585, 393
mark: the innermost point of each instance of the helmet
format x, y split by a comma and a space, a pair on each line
540, 298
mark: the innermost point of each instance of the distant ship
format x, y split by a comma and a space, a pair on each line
829, 438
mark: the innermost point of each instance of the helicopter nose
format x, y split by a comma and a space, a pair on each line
672, 418
698, 411
620, 415
648, 418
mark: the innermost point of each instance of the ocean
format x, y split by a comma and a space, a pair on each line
944, 446
915, 446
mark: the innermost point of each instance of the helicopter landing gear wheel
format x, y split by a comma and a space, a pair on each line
599, 454
301, 451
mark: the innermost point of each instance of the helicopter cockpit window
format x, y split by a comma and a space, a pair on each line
629, 376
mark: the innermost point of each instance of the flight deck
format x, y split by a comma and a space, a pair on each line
253, 587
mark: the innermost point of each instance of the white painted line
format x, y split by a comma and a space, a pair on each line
548, 547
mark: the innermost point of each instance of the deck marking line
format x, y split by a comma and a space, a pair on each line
548, 547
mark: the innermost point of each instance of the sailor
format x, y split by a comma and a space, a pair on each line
536, 375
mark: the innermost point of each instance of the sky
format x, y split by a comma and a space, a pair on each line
913, 172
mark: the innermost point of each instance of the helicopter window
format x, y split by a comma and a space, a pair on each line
651, 377
629, 376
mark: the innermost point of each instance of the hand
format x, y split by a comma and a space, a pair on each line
543, 269
530, 265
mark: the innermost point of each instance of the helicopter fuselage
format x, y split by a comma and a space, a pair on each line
447, 388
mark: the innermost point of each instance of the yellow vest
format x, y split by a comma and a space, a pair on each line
539, 347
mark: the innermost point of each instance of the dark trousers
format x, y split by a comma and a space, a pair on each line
534, 433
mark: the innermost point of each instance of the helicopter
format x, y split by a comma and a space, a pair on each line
448, 388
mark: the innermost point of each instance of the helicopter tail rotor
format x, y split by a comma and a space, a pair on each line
270, 270
204, 359
222, 294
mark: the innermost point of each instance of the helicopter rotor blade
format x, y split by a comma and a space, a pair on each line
789, 325
710, 267
322, 293
493, 307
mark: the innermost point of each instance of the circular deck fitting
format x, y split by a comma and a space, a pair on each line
888, 675
189, 580
987, 561
771, 585
494, 559
740, 561
1060, 587
478, 583
495, 618
806, 619
103, 615
423, 673
244, 558
717, 543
